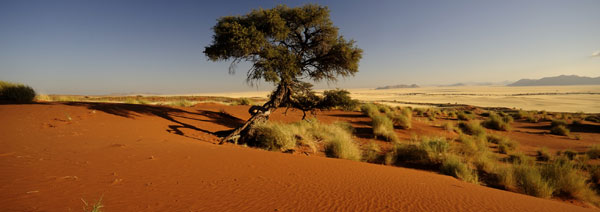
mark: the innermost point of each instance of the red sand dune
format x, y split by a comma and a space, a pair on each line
149, 158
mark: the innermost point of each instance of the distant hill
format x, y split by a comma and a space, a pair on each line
397, 86
558, 80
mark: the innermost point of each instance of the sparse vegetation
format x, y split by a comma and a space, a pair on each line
530, 181
454, 166
494, 121
244, 101
96, 207
16, 92
543, 154
384, 127
594, 151
372, 153
464, 116
472, 128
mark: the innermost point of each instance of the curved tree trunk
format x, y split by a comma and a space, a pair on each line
281, 95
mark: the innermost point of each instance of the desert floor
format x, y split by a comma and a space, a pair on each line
155, 158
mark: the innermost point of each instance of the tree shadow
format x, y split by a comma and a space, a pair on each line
168, 113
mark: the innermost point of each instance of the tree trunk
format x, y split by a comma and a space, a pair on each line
281, 95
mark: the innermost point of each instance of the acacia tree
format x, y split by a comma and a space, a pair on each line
285, 46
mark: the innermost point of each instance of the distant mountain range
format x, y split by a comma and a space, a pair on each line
558, 80
397, 86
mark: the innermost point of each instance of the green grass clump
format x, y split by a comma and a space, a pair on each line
562, 175
472, 128
435, 147
383, 127
454, 166
275, 136
543, 154
369, 109
569, 153
560, 130
594, 151
530, 181
372, 153
520, 158
462, 115
16, 92
400, 120
494, 121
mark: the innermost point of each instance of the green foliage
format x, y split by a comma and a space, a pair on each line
472, 128
182, 103
449, 126
562, 175
494, 121
369, 109
505, 144
435, 147
531, 182
284, 44
338, 98
383, 127
400, 119
16, 92
275, 136
559, 127
454, 166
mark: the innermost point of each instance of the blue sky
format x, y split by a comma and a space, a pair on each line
102, 47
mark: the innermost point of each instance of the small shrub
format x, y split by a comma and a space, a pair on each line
504, 144
530, 181
384, 127
593, 118
274, 136
369, 109
461, 115
594, 151
472, 128
400, 120
342, 148
408, 153
16, 92
92, 208
494, 121
543, 154
384, 108
372, 153
436, 148
244, 101
560, 130
453, 166
563, 177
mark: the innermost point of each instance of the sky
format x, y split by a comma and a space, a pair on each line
147, 46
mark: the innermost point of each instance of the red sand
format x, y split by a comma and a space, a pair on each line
147, 158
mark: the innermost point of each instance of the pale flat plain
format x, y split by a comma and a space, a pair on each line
550, 98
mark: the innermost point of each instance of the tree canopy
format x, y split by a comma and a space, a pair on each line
285, 45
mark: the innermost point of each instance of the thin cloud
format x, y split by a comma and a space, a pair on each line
596, 54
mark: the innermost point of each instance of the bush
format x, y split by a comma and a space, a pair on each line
530, 181
182, 103
372, 153
494, 121
472, 128
244, 101
16, 92
369, 109
384, 127
570, 154
436, 147
594, 152
562, 175
274, 136
560, 130
543, 154
461, 115
453, 166
338, 98
400, 120
448, 126
520, 158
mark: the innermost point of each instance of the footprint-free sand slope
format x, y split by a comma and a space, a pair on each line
147, 158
